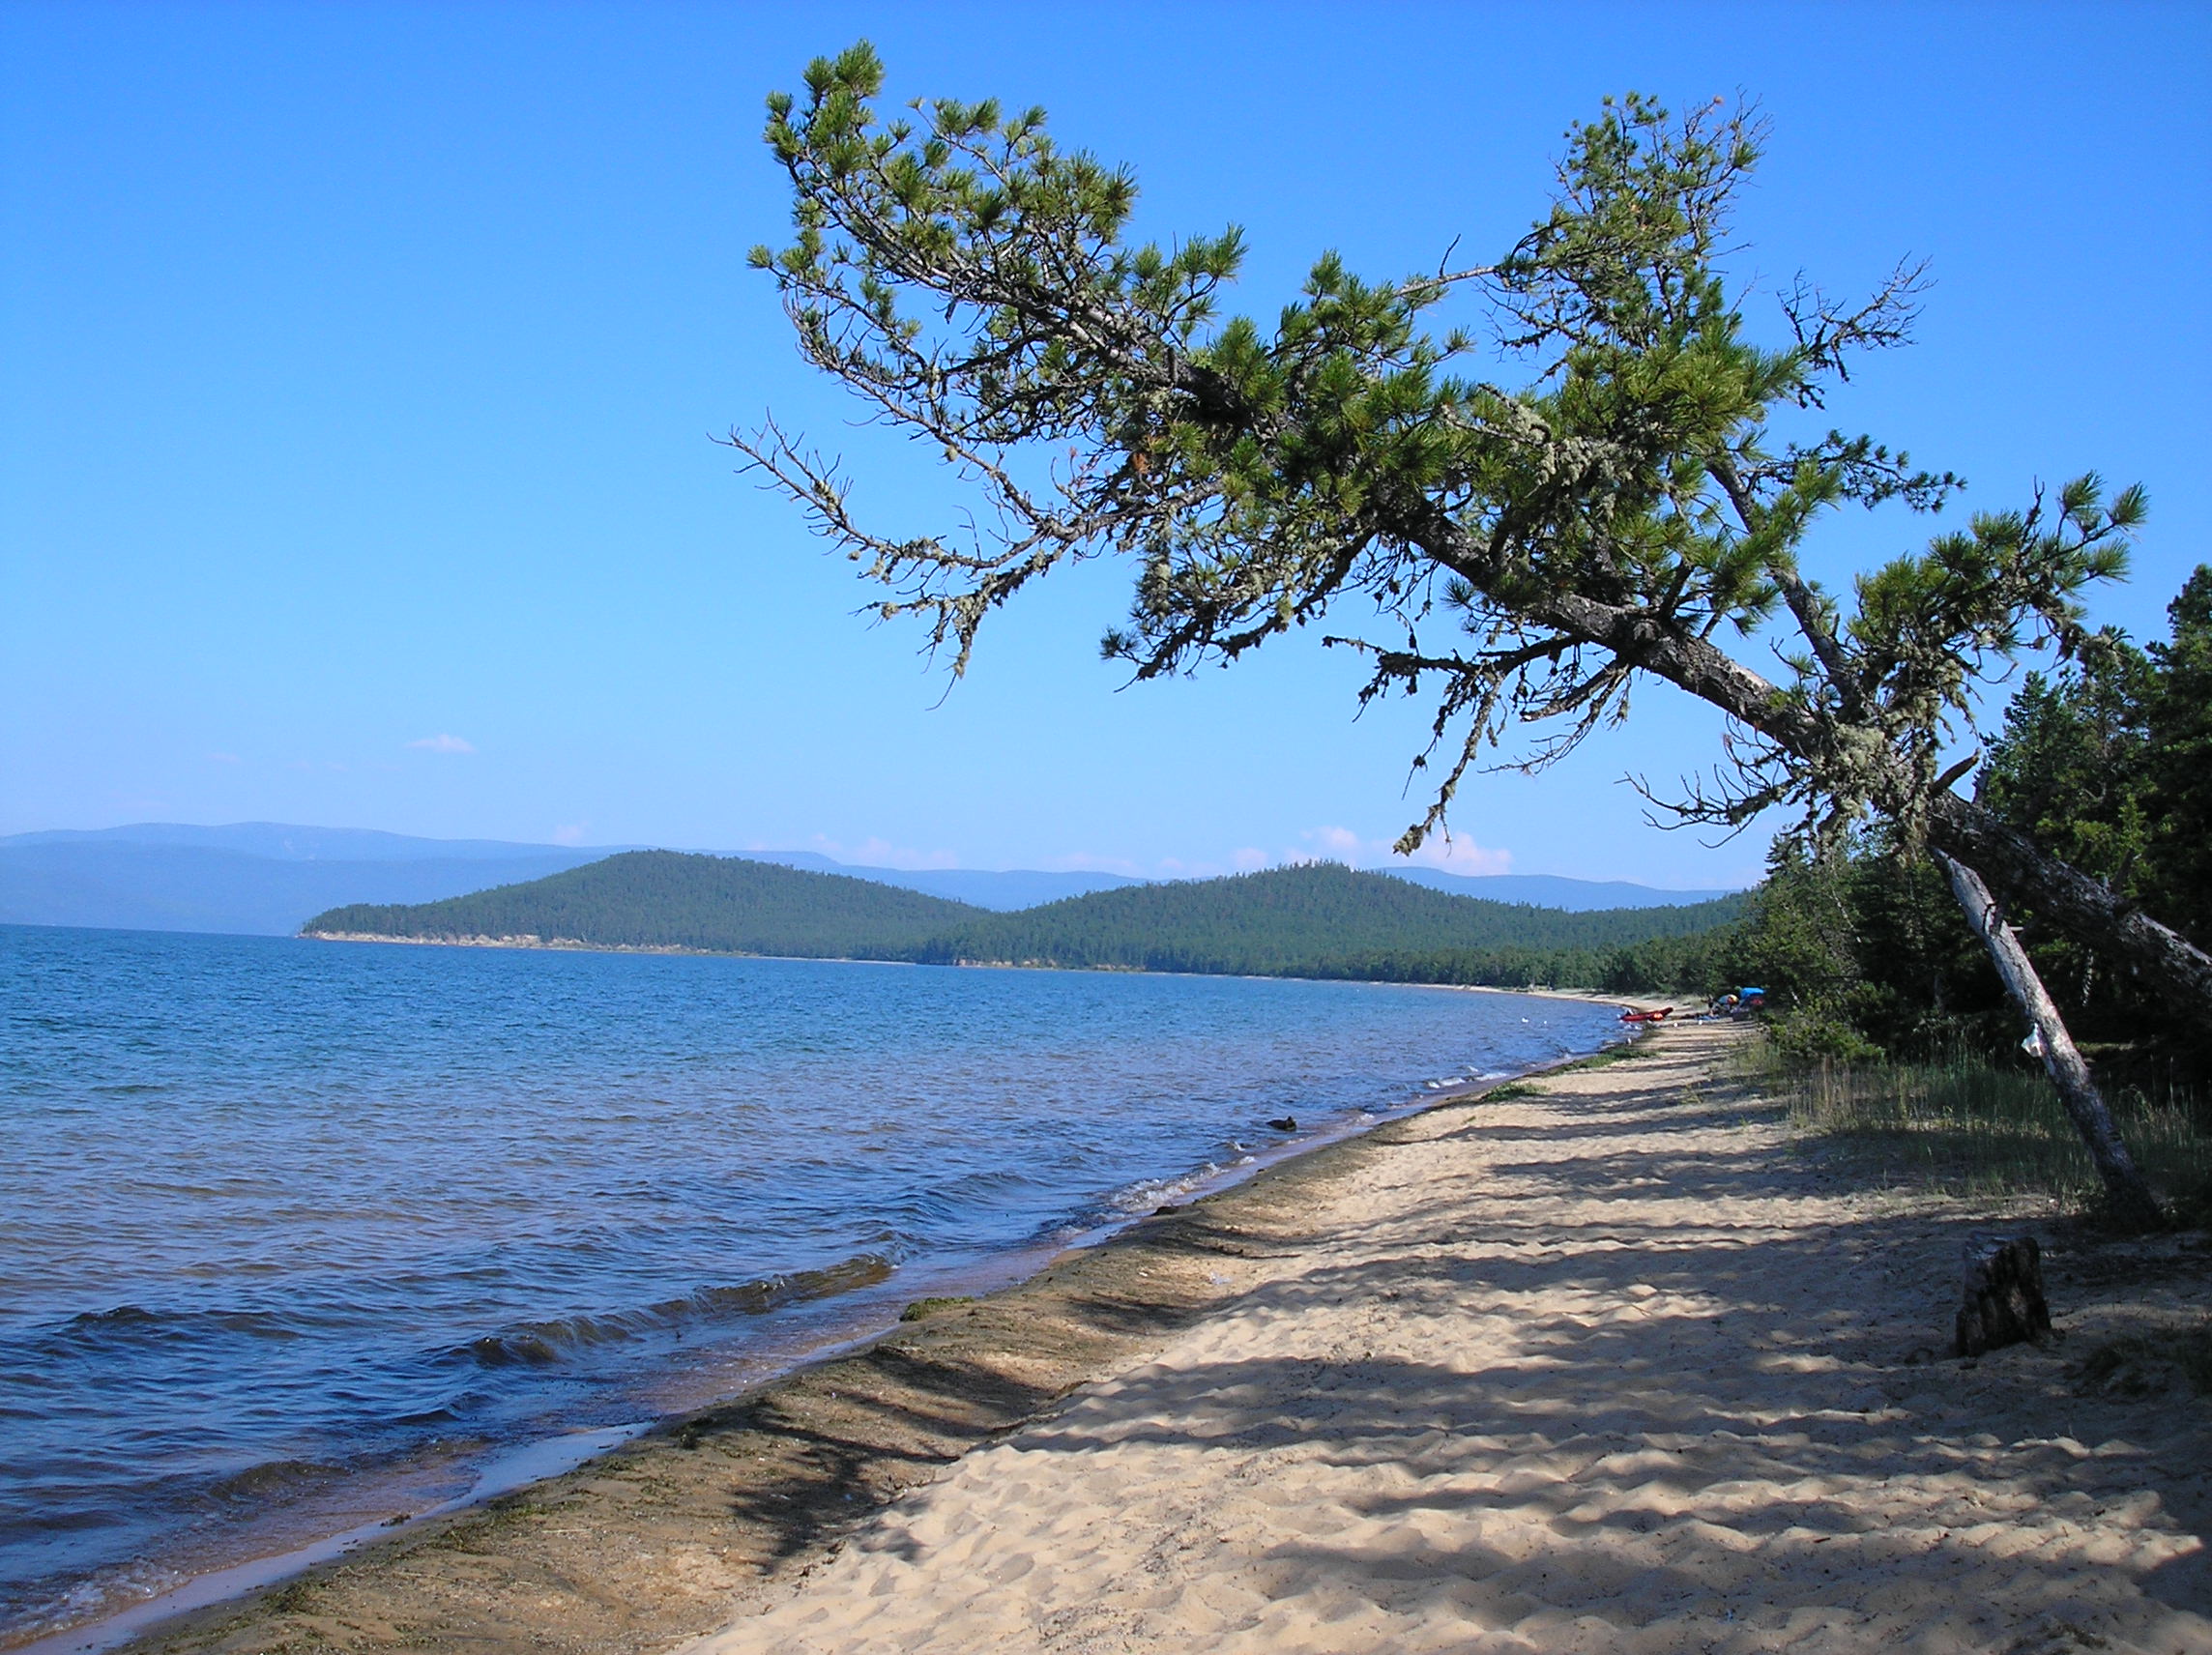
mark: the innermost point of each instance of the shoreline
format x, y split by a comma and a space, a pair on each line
574, 946
1609, 1363
1600, 1360
222, 1588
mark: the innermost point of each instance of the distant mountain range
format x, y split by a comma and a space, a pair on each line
158, 886
1316, 919
980, 888
1552, 890
267, 878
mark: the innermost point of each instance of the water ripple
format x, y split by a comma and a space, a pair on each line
279, 1211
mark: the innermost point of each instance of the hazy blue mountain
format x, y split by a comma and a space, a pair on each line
978, 888
286, 842
1549, 890
268, 877
137, 887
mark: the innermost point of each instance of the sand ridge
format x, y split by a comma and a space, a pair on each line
1606, 1366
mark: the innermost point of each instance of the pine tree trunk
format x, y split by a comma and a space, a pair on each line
2132, 1202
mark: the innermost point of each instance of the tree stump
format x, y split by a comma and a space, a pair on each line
2003, 1300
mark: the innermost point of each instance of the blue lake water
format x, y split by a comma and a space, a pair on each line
283, 1218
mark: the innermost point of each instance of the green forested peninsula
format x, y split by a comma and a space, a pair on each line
1316, 920
665, 899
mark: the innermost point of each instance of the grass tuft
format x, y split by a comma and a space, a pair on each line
1968, 1126
923, 1307
1509, 1091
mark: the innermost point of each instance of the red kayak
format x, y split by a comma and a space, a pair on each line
1659, 1016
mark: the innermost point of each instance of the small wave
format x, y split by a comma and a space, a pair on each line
270, 1477
1146, 1194
135, 1326
541, 1343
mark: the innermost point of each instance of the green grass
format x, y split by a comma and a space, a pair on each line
1510, 1092
923, 1308
1604, 1058
1968, 1126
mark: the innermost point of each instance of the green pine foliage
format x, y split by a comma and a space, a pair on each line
1863, 954
1320, 920
2109, 763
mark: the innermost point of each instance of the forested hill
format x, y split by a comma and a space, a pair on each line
1316, 920
667, 899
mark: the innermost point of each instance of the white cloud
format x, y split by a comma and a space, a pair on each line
570, 834
1454, 852
879, 853
444, 744
1342, 844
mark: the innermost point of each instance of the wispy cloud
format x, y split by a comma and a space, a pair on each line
442, 743
869, 853
1342, 845
570, 834
1458, 855
1453, 852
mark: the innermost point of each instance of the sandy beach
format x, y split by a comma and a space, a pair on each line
1603, 1362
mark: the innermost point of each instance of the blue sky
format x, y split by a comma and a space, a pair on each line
359, 367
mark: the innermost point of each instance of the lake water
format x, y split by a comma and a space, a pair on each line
289, 1228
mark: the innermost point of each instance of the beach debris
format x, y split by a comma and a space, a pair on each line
1287, 1123
2001, 1296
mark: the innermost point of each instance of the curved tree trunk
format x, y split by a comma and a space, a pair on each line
2129, 1194
2159, 958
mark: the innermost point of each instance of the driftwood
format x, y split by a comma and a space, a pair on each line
2003, 1300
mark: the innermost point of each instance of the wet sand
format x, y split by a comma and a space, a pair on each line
1605, 1362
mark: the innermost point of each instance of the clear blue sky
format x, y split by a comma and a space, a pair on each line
361, 363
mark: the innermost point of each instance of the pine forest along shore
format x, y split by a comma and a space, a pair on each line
1317, 919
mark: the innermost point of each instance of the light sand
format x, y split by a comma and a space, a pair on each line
1611, 1368
1618, 1367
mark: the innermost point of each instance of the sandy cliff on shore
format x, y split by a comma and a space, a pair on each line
1602, 1364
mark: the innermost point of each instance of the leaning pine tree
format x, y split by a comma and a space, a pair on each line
1526, 552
